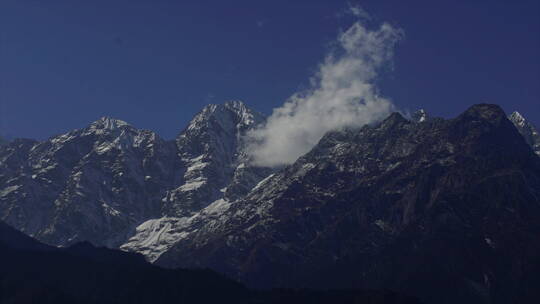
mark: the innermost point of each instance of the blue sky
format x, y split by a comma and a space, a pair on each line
156, 63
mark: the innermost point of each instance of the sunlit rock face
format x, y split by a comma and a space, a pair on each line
212, 153
102, 182
90, 184
527, 129
215, 172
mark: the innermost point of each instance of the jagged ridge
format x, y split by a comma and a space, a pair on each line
99, 183
377, 206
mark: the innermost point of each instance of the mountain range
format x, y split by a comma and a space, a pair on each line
444, 209
101, 182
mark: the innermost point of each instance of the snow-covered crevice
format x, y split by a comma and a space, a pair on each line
154, 237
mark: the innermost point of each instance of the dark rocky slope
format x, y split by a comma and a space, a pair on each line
448, 210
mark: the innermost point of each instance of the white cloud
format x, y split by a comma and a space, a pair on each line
354, 10
342, 93
357, 11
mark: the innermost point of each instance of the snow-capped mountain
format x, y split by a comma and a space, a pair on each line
527, 130
215, 171
366, 207
212, 153
90, 184
377, 206
110, 180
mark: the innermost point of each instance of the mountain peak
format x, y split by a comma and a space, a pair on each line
232, 105
231, 113
490, 113
393, 120
108, 123
235, 105
420, 116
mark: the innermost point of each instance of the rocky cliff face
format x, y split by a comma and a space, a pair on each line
99, 183
215, 171
527, 129
213, 156
445, 209
91, 184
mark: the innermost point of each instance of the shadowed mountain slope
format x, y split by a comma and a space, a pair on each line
448, 210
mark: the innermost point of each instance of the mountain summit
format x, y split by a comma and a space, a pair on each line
108, 124
420, 116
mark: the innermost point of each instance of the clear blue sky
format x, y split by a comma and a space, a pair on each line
155, 63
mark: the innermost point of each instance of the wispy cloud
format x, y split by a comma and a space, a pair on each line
342, 93
358, 11
354, 10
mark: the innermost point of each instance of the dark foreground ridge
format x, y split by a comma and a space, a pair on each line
31, 272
